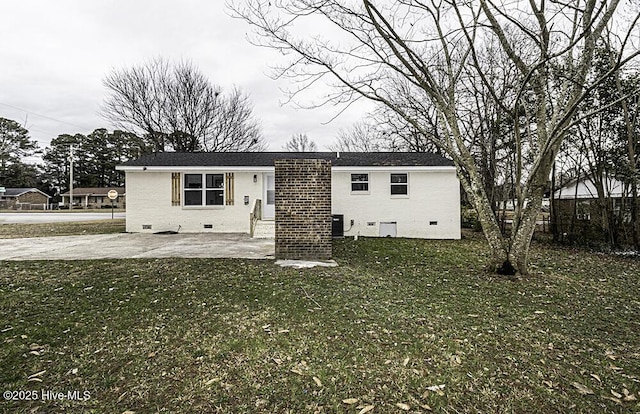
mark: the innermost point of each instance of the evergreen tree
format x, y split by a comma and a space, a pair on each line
15, 144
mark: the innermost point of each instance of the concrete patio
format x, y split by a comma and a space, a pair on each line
137, 245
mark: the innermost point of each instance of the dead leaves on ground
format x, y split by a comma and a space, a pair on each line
618, 397
582, 389
362, 408
366, 409
212, 381
36, 377
267, 329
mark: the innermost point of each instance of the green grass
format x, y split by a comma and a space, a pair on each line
395, 319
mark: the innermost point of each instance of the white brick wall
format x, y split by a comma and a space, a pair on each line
149, 203
434, 196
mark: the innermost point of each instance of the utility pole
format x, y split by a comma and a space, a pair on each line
70, 177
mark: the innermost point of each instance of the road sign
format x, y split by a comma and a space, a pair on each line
112, 194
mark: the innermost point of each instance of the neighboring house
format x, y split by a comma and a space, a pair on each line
371, 194
580, 197
94, 197
24, 199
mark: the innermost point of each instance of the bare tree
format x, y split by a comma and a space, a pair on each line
360, 137
398, 135
235, 128
176, 107
381, 131
300, 143
406, 53
631, 119
602, 149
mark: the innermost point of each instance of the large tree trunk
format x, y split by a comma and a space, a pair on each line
522, 232
518, 244
508, 255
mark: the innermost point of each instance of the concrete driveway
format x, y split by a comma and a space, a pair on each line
136, 245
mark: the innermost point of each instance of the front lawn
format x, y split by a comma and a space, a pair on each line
22, 230
399, 326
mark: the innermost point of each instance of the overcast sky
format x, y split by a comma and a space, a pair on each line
55, 54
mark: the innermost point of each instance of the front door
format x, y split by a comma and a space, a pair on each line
269, 197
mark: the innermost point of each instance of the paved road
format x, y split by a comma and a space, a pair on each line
137, 245
6, 218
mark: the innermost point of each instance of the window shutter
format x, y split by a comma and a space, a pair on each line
229, 188
175, 189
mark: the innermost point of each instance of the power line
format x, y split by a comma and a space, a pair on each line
43, 116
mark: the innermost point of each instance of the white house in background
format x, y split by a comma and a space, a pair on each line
584, 188
375, 194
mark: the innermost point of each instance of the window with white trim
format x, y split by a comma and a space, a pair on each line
204, 189
399, 184
360, 183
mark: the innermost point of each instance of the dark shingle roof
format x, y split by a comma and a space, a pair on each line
266, 159
15, 192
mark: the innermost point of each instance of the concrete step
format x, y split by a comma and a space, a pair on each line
265, 229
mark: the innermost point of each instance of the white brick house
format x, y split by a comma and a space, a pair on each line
376, 194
